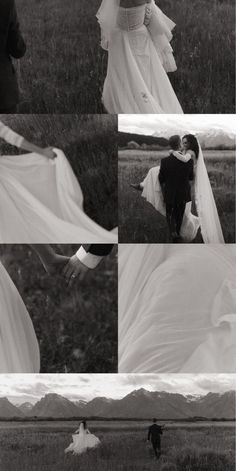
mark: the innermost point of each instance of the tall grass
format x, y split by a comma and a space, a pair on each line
76, 327
90, 144
64, 68
139, 222
210, 449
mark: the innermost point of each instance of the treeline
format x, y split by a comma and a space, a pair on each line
151, 142
113, 419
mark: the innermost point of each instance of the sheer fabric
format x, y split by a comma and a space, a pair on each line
19, 351
41, 202
138, 41
206, 206
177, 309
10, 136
82, 441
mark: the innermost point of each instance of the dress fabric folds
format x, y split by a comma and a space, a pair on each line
19, 351
82, 442
41, 202
177, 309
139, 57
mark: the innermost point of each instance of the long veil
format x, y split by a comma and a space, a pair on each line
206, 206
107, 16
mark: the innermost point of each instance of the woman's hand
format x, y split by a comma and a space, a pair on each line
49, 153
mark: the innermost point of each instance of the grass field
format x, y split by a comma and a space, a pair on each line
139, 222
64, 67
90, 144
76, 327
123, 448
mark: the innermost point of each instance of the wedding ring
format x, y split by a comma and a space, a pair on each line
73, 276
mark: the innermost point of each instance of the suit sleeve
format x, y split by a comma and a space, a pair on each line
149, 433
191, 173
15, 43
91, 254
162, 176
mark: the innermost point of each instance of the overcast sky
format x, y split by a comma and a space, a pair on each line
20, 388
148, 124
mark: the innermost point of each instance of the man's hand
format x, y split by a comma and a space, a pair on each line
74, 269
49, 153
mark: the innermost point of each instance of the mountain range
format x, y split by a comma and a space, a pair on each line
140, 404
214, 138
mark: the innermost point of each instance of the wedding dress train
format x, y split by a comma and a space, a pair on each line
82, 442
177, 309
41, 202
139, 57
19, 351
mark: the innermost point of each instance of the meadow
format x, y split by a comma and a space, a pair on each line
37, 447
76, 327
90, 144
64, 67
139, 222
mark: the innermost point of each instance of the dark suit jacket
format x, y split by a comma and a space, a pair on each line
154, 432
174, 177
98, 249
11, 45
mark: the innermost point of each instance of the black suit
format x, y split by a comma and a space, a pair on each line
100, 250
175, 179
11, 45
154, 433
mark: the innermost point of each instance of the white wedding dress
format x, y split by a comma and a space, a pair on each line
82, 441
139, 57
207, 219
19, 351
177, 309
41, 202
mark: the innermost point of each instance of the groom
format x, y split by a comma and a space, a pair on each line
86, 258
175, 177
11, 45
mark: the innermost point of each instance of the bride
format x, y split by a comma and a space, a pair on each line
82, 440
177, 308
19, 350
40, 198
207, 215
137, 36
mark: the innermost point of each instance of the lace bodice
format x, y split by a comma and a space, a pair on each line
133, 18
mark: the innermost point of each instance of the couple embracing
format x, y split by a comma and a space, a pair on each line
180, 184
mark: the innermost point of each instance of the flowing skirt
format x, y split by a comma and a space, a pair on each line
177, 309
82, 442
41, 202
19, 352
153, 194
136, 80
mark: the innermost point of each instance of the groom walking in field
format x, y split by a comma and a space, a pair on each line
11, 45
175, 177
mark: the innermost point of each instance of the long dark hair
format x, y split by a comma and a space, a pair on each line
84, 423
193, 143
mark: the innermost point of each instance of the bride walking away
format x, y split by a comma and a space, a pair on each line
137, 35
83, 440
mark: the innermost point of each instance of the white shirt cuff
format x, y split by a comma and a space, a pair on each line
88, 259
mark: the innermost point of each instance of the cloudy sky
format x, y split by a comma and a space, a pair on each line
20, 388
161, 124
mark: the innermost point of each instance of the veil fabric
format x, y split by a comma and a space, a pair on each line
107, 16
206, 206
